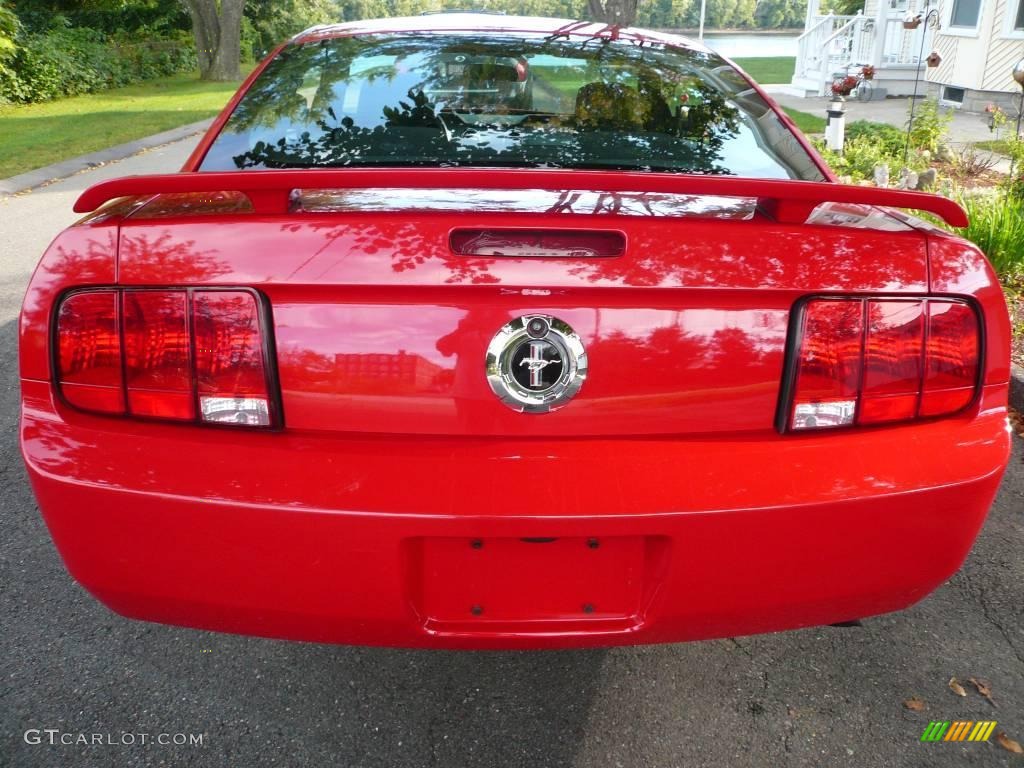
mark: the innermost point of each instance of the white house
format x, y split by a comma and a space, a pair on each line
978, 42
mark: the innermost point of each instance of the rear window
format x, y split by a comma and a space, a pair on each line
506, 101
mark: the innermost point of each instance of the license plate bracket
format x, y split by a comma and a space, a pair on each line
478, 584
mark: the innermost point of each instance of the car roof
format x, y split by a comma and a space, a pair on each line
459, 21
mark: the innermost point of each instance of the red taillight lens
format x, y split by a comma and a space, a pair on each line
230, 373
871, 361
89, 329
187, 354
829, 365
892, 361
158, 367
951, 358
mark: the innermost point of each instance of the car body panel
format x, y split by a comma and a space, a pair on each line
314, 537
401, 503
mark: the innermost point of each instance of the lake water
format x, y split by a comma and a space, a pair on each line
743, 46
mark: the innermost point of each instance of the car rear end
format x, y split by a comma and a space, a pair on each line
258, 401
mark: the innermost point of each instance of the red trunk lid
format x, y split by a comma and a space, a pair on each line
381, 327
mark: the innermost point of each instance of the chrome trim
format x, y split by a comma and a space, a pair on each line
570, 354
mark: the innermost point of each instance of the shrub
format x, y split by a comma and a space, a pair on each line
997, 228
859, 158
8, 31
70, 61
869, 144
891, 138
1014, 148
972, 162
9, 28
930, 126
862, 153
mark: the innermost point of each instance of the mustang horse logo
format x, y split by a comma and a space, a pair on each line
536, 362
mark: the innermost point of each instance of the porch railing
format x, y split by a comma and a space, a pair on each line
832, 44
813, 46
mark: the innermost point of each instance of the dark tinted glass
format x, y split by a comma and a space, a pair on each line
508, 101
965, 13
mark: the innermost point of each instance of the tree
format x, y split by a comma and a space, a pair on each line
217, 26
618, 12
8, 31
780, 14
274, 21
842, 7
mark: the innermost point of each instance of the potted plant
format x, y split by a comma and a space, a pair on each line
842, 87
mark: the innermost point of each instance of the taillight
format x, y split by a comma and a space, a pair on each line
158, 354
951, 358
862, 361
231, 377
179, 354
89, 344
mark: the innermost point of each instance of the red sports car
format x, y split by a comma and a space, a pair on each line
481, 331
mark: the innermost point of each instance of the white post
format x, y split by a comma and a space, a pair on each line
835, 128
813, 11
881, 30
703, 12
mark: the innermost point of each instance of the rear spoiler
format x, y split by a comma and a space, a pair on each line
789, 202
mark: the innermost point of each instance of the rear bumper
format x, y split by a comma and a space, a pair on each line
372, 541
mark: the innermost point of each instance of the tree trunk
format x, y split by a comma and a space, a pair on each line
217, 27
621, 13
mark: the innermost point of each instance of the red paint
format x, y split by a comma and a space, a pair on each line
310, 536
355, 521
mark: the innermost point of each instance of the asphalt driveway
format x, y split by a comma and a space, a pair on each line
814, 697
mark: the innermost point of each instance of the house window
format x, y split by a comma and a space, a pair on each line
1018, 25
953, 95
965, 13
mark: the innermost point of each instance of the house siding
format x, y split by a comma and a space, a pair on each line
1003, 53
978, 63
948, 49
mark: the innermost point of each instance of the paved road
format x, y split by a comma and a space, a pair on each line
809, 698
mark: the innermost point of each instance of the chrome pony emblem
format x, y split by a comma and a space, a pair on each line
536, 363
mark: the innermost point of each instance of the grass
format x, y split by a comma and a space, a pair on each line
806, 122
769, 70
1000, 146
36, 135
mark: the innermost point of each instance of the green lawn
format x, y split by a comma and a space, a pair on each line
1000, 146
805, 121
770, 70
40, 134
